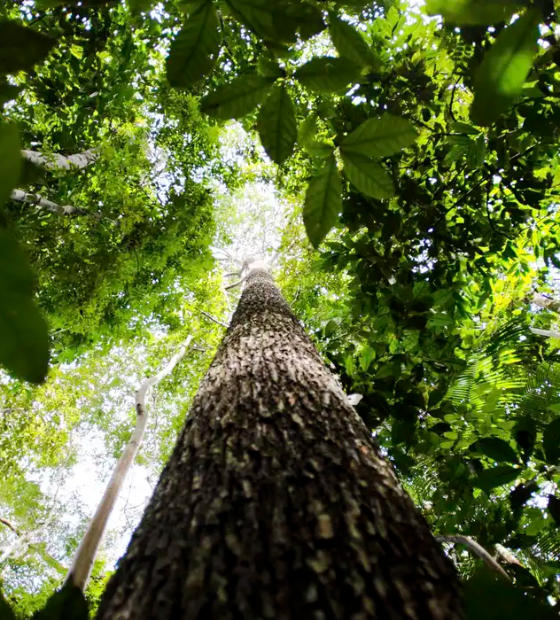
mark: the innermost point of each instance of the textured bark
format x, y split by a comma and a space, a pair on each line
276, 502
55, 161
86, 553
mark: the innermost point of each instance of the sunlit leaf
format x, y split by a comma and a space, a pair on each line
323, 202
327, 74
276, 124
367, 176
195, 49
238, 98
378, 137
21, 47
504, 68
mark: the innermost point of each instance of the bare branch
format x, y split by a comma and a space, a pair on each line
234, 285
55, 161
35, 199
477, 550
209, 316
10, 526
549, 333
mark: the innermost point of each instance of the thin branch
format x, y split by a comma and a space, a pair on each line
10, 526
55, 161
234, 285
549, 333
35, 199
479, 551
209, 316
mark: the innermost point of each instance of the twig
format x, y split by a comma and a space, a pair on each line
209, 316
234, 285
477, 550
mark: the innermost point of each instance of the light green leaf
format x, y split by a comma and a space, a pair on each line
195, 49
323, 202
499, 78
277, 125
473, 11
551, 442
350, 43
367, 176
327, 74
495, 448
378, 137
238, 98
21, 48
496, 477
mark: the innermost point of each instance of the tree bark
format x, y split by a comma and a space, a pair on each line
84, 558
34, 199
276, 502
55, 161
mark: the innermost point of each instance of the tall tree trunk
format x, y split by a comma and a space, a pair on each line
276, 502
86, 553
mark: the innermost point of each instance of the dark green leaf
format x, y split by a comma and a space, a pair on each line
266, 19
327, 74
551, 442
378, 137
495, 477
141, 6
350, 43
24, 342
8, 92
238, 98
489, 596
367, 176
473, 11
195, 49
496, 449
10, 156
525, 434
276, 124
554, 508
309, 19
521, 494
6, 612
21, 48
505, 66
68, 603
268, 68
323, 202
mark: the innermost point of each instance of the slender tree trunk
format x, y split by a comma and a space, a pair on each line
276, 502
87, 551
55, 161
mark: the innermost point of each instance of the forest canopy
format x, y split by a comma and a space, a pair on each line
396, 163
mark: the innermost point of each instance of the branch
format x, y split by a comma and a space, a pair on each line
545, 332
34, 199
10, 526
473, 546
209, 316
548, 303
234, 285
87, 551
55, 161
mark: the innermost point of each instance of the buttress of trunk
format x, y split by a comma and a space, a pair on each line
276, 502
85, 556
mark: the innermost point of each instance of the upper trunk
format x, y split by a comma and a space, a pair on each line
276, 502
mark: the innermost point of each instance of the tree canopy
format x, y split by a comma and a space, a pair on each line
397, 163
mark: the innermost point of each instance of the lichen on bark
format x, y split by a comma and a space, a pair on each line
276, 502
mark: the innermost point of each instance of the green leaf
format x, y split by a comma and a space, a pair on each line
473, 12
551, 442
378, 137
461, 127
323, 202
24, 342
350, 43
141, 6
309, 19
195, 49
266, 18
268, 68
238, 98
495, 477
489, 596
500, 77
496, 449
21, 48
554, 508
6, 612
277, 125
68, 603
8, 92
367, 176
327, 74
10, 156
